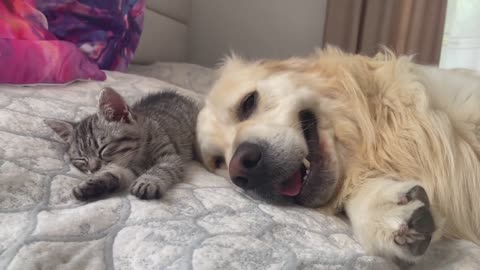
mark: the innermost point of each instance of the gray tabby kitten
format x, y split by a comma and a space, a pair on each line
144, 146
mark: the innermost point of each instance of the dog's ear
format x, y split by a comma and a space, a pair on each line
113, 108
64, 129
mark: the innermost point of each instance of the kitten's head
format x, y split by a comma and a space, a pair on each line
110, 135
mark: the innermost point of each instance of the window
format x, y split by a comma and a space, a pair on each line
461, 39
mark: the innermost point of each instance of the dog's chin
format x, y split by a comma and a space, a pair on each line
318, 188
311, 185
313, 182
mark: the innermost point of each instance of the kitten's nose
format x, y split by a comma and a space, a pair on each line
93, 165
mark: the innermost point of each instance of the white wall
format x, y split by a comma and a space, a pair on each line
254, 28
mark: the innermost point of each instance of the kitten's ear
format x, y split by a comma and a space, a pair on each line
62, 128
112, 107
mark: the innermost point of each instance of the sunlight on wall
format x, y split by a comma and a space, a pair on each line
461, 40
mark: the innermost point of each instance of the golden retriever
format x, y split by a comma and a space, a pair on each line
393, 144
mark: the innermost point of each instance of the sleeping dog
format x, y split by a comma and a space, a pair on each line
392, 143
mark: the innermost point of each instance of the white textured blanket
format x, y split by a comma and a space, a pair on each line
204, 223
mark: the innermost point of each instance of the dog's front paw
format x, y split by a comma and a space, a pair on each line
416, 225
397, 221
146, 188
415, 235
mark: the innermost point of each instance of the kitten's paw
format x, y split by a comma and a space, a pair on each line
146, 189
96, 187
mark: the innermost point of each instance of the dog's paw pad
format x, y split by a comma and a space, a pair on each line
418, 193
415, 193
416, 234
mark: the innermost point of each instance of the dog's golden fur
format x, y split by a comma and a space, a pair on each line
388, 118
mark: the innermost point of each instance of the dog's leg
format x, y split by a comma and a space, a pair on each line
393, 219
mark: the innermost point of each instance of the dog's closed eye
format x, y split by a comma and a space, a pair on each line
248, 106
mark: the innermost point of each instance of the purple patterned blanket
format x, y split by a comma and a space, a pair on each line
60, 41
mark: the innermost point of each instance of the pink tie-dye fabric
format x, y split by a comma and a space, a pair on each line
44, 62
20, 20
60, 41
30, 54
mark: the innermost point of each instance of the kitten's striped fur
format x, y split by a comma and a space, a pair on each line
144, 146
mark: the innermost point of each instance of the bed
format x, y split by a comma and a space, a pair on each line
203, 223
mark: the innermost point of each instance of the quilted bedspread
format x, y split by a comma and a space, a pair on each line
203, 223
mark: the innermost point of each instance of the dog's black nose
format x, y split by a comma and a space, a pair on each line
246, 166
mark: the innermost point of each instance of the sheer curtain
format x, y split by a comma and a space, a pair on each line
461, 39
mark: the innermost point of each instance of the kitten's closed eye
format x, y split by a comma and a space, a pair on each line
80, 163
118, 147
